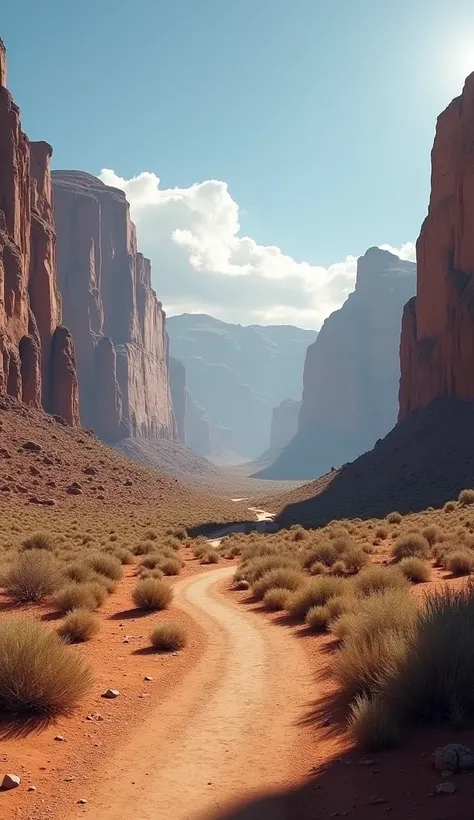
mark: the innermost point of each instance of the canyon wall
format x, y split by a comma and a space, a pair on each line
351, 372
37, 361
237, 374
116, 320
284, 422
437, 343
177, 377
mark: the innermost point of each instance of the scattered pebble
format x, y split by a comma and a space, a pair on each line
60, 738
148, 677
111, 693
82, 801
11, 781
445, 788
31, 788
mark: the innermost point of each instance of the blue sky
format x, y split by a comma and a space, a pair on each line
318, 114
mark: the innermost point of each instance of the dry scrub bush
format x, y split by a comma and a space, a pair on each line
392, 609
79, 596
33, 576
151, 573
168, 636
432, 533
415, 569
78, 571
276, 598
39, 541
373, 724
169, 566
412, 544
382, 531
338, 568
282, 577
79, 626
254, 568
339, 605
355, 560
315, 592
200, 549
39, 674
394, 518
125, 556
459, 562
466, 497
152, 594
317, 569
363, 663
323, 553
144, 547
434, 681
318, 618
106, 565
450, 506
151, 560
377, 578
210, 557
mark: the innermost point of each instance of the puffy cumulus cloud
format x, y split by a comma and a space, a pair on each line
406, 252
201, 263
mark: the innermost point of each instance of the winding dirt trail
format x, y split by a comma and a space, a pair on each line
229, 730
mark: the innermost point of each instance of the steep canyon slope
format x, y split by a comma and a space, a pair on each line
351, 372
437, 346
117, 322
37, 363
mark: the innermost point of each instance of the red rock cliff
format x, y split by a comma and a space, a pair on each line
437, 343
32, 342
117, 322
177, 376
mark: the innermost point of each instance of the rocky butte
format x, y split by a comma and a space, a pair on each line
437, 343
351, 372
37, 362
116, 320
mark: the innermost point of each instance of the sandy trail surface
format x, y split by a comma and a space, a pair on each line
232, 728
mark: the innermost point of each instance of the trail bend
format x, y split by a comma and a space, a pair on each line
229, 730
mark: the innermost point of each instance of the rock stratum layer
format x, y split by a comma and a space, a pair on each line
351, 372
37, 361
437, 344
117, 322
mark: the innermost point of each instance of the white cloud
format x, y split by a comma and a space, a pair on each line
201, 263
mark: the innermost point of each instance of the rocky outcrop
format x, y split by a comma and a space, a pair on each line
205, 436
351, 372
238, 374
116, 320
437, 343
284, 422
30, 305
177, 377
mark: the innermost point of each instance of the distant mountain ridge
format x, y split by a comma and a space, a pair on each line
237, 374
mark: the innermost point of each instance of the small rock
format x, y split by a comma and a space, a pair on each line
34, 470
445, 788
126, 640
74, 489
446, 775
82, 801
11, 781
31, 788
326, 722
375, 801
60, 738
4, 453
90, 471
366, 762
111, 693
68, 779
128, 483
242, 585
148, 677
32, 446
454, 758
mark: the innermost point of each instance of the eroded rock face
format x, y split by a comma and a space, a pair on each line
284, 422
30, 306
117, 322
351, 372
437, 344
177, 377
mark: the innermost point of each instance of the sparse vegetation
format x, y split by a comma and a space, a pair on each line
79, 626
411, 545
168, 636
415, 569
466, 497
276, 598
34, 575
152, 594
80, 596
39, 674
394, 518
315, 592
